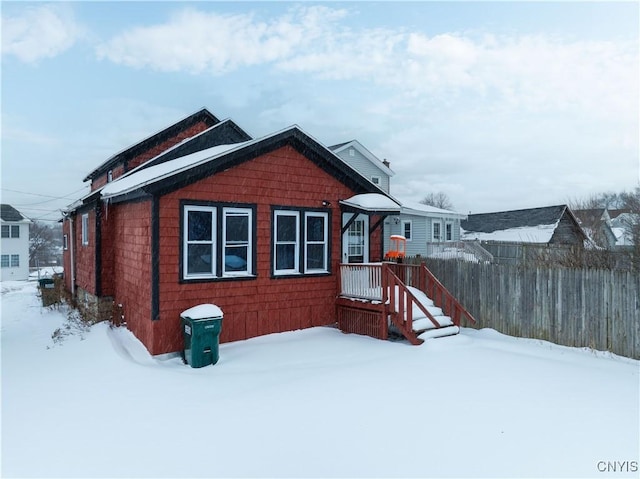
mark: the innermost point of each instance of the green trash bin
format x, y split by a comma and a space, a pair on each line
46, 283
201, 326
48, 291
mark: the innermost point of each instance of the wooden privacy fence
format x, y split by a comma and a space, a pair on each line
599, 309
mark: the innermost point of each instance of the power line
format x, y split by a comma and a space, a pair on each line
67, 197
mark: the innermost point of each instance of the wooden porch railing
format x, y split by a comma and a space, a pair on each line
420, 277
386, 283
362, 281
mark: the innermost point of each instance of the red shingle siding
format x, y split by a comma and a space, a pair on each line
119, 170
85, 255
100, 181
131, 258
263, 305
108, 247
66, 255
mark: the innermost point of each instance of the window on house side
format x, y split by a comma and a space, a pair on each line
217, 242
437, 231
448, 232
406, 230
11, 231
352, 152
199, 242
85, 229
300, 242
375, 180
287, 242
65, 242
15, 260
4, 261
237, 241
316, 242
109, 176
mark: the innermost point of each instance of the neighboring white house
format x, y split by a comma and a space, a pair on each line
14, 244
422, 225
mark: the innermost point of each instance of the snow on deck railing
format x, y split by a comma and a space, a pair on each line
361, 280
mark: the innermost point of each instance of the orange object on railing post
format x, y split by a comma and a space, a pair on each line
397, 248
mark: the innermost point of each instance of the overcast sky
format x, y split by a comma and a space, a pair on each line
500, 105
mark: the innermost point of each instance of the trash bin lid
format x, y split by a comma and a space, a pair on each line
202, 311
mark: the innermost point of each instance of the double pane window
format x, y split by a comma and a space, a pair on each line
301, 242
237, 241
11, 231
199, 257
217, 242
287, 242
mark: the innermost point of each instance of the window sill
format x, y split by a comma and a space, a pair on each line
300, 275
217, 279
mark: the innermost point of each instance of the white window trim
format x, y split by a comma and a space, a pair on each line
296, 267
65, 242
8, 258
16, 257
376, 180
10, 229
109, 176
448, 224
7, 228
185, 242
245, 212
85, 229
433, 231
403, 231
325, 268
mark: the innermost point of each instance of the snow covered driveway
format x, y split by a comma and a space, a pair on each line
309, 403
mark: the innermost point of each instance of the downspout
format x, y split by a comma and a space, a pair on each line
73, 260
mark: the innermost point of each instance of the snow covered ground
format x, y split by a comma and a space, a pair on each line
309, 403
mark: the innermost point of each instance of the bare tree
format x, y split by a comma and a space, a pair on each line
439, 200
44, 242
631, 202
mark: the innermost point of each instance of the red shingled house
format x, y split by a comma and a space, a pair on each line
202, 213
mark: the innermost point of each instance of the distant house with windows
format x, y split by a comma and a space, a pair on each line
14, 244
425, 227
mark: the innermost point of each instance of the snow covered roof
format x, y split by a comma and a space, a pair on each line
372, 202
524, 234
416, 208
533, 225
9, 213
174, 173
155, 173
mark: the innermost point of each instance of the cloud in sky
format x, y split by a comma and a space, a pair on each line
39, 32
493, 116
195, 41
534, 72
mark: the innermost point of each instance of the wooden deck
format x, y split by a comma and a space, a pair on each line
375, 296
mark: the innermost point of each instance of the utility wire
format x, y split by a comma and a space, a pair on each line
67, 197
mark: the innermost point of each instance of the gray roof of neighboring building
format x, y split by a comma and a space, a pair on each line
503, 220
9, 213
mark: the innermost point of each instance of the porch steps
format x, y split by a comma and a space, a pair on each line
423, 327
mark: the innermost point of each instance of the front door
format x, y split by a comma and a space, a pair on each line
355, 241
